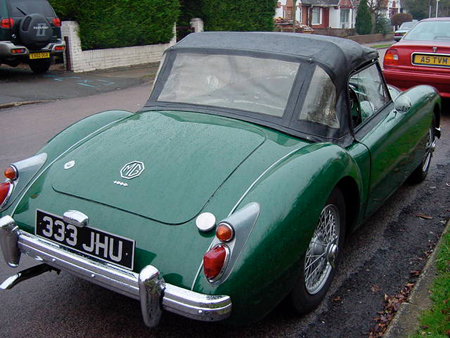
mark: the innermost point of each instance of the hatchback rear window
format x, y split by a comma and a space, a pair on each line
20, 8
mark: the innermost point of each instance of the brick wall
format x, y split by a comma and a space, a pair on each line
85, 61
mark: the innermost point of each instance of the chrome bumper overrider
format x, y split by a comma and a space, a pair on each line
148, 286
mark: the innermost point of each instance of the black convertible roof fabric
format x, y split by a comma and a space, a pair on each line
338, 57
328, 51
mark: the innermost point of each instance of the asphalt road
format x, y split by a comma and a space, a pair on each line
378, 259
20, 85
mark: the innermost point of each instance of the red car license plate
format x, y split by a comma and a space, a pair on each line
87, 240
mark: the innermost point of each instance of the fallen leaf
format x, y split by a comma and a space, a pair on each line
337, 299
375, 288
415, 273
425, 216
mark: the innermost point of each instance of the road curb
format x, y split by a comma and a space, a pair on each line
21, 103
406, 322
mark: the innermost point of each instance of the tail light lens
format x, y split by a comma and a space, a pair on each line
5, 192
11, 173
391, 58
57, 22
224, 232
7, 23
214, 262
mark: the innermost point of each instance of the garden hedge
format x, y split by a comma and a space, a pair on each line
110, 23
242, 15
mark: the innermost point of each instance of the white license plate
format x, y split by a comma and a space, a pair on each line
90, 241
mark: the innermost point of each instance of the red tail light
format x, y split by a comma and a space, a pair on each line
57, 22
214, 262
391, 58
5, 191
7, 23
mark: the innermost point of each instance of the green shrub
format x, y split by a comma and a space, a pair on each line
242, 15
383, 25
363, 24
110, 24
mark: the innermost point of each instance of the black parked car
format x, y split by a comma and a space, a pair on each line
30, 32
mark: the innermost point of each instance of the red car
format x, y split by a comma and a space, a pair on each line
421, 57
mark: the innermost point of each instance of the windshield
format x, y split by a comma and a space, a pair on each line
429, 30
407, 25
247, 83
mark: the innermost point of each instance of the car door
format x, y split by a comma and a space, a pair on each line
383, 146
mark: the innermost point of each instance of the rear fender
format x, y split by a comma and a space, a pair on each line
291, 195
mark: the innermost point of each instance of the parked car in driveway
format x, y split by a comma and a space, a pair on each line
233, 188
30, 32
403, 29
421, 57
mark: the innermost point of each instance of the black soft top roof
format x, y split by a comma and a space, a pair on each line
339, 56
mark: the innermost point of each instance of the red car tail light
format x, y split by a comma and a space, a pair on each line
214, 262
5, 191
224, 232
57, 22
18, 51
391, 58
60, 48
11, 173
7, 23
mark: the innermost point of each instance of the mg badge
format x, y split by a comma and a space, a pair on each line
132, 170
435, 49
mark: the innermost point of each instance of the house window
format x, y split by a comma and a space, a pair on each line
316, 19
345, 18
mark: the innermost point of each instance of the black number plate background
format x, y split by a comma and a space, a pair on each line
90, 241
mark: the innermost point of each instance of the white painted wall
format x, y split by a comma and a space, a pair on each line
85, 61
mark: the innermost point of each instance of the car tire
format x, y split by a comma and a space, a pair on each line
35, 31
40, 66
421, 172
316, 274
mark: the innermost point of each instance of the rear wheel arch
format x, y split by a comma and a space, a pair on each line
350, 190
437, 114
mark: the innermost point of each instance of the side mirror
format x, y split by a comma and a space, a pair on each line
402, 103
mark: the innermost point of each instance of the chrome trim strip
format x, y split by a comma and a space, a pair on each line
148, 287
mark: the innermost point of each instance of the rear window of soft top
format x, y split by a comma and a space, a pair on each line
20, 8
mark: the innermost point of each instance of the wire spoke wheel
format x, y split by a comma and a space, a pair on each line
429, 149
322, 251
318, 261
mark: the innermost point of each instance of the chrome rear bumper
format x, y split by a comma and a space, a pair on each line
148, 286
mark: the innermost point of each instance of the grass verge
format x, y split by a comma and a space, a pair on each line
435, 322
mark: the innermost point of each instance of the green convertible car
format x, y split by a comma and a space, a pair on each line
233, 188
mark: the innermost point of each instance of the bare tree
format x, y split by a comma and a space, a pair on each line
376, 8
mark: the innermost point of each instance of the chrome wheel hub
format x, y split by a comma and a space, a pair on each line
323, 250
